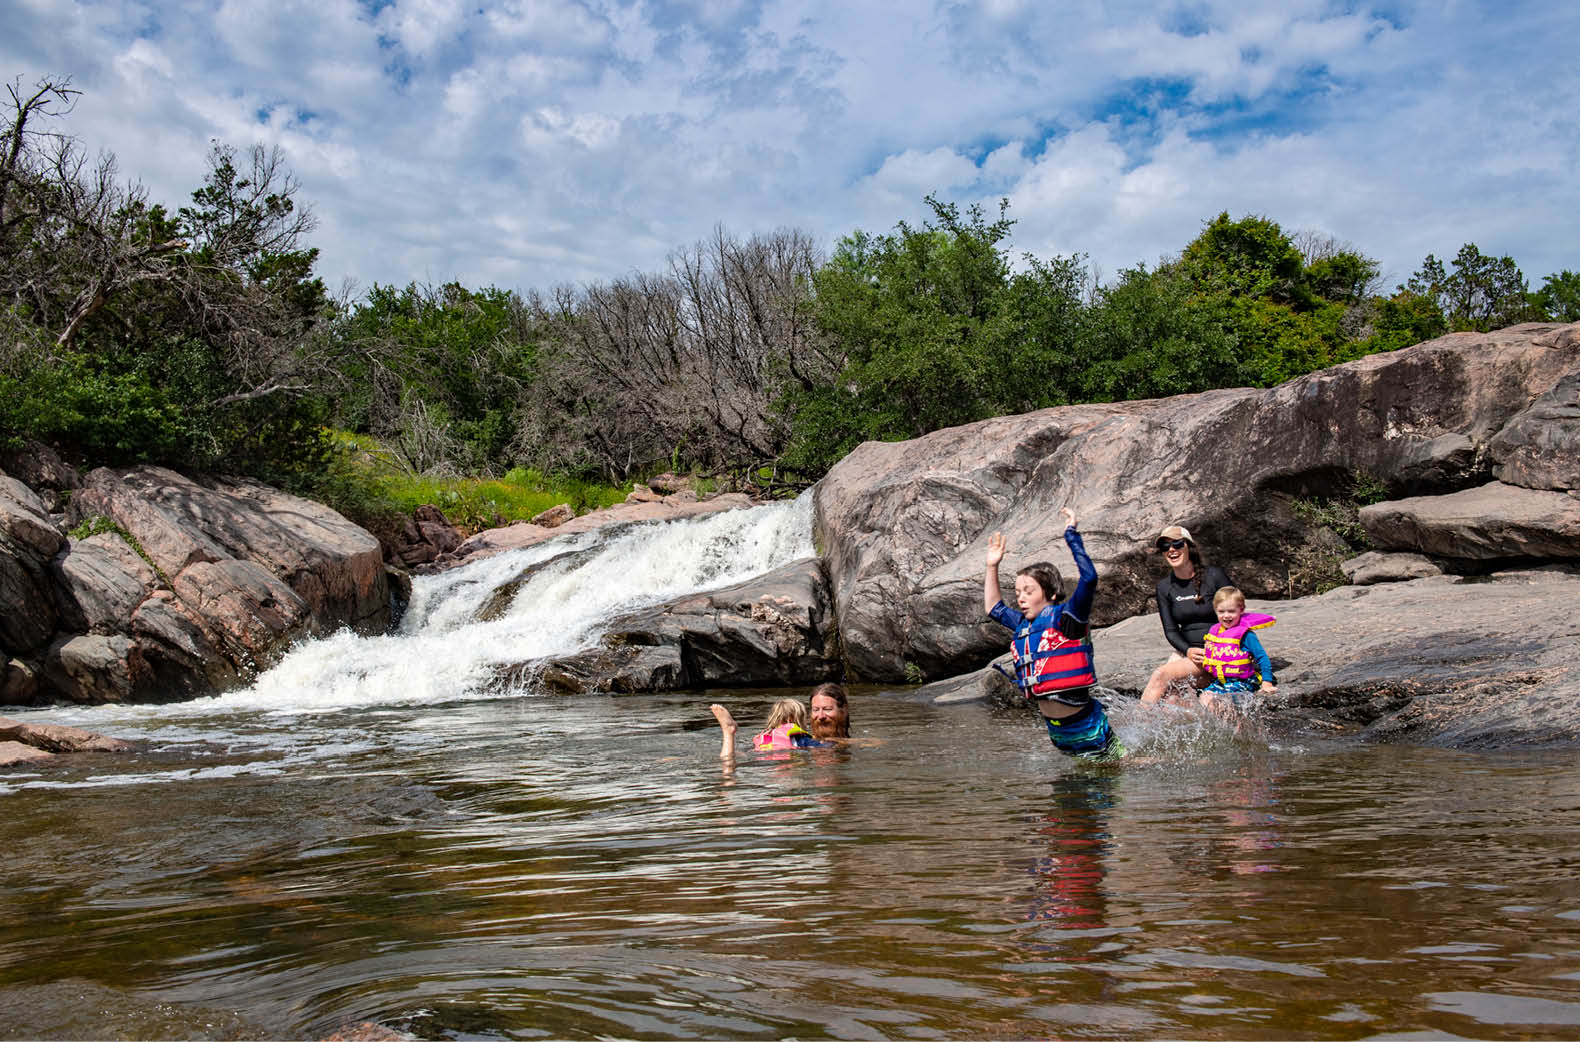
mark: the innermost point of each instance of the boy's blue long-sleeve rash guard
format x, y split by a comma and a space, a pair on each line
1078, 607
1253, 646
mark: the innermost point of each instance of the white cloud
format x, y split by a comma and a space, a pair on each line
548, 140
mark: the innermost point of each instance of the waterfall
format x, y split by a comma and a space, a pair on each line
445, 652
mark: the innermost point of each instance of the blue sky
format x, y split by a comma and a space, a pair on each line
538, 142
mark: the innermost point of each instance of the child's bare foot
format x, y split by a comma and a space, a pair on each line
728, 726
726, 722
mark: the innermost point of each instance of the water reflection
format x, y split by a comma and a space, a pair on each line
1075, 834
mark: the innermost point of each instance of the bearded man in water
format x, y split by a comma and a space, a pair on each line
829, 719
830, 713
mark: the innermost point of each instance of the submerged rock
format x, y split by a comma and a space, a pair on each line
30, 743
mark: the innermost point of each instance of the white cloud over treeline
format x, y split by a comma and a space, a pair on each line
530, 143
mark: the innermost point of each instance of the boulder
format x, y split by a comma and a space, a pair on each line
903, 525
1492, 521
18, 683
28, 541
436, 529
254, 615
555, 516
1374, 567
41, 469
1540, 448
56, 738
332, 565
768, 631
13, 754
640, 493
186, 657
100, 581
94, 668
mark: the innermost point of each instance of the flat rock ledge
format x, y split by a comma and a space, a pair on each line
23, 743
1476, 437
1457, 661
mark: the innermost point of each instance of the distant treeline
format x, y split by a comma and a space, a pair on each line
202, 338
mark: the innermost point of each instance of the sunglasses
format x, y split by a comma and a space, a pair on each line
1176, 544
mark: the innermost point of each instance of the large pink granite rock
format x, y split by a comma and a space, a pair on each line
903, 525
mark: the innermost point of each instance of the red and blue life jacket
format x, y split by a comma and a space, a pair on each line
1056, 664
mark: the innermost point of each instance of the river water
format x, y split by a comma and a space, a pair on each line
380, 830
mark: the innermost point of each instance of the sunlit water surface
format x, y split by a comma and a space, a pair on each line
379, 831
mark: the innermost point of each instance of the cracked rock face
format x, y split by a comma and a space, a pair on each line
770, 631
189, 585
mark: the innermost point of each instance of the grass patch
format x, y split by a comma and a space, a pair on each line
367, 482
99, 525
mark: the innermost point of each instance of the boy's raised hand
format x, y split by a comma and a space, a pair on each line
1068, 515
995, 549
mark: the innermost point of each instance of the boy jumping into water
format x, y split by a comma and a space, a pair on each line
1053, 654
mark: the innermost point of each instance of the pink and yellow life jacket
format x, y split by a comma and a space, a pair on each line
785, 736
1057, 663
1226, 658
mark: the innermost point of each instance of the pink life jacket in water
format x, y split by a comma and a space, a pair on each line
785, 736
1226, 659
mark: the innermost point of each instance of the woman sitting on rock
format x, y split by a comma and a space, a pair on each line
1185, 604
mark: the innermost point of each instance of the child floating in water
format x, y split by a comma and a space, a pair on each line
1053, 654
1235, 659
787, 728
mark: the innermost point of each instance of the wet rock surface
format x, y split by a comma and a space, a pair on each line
903, 526
26, 743
769, 631
1467, 662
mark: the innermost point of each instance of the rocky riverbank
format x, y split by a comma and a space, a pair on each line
141, 583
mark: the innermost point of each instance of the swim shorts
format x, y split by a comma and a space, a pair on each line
1086, 734
1239, 692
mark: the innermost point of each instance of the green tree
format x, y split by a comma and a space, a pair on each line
1559, 297
1480, 293
1151, 335
930, 328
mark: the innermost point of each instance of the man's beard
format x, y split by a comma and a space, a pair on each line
830, 729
